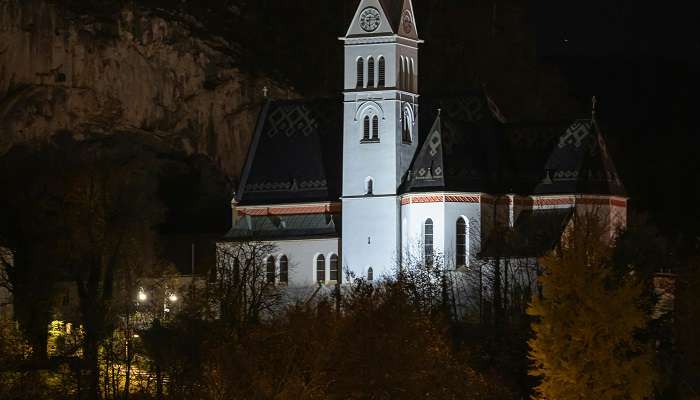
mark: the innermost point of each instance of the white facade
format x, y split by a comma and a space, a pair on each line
379, 134
383, 228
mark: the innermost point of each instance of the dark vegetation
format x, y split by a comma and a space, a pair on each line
106, 212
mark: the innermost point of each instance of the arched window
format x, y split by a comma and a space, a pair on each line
360, 72
369, 186
370, 274
406, 126
461, 242
320, 268
284, 270
404, 76
382, 72
334, 268
365, 128
370, 72
375, 128
270, 270
412, 76
428, 241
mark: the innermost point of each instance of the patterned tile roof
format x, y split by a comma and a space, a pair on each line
482, 152
288, 226
295, 153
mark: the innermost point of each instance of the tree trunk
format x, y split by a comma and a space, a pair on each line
92, 361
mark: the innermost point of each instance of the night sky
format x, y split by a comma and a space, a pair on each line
641, 61
541, 61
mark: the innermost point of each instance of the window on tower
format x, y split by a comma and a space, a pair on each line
381, 81
320, 268
360, 72
370, 274
412, 76
375, 128
461, 242
365, 132
370, 72
428, 241
406, 123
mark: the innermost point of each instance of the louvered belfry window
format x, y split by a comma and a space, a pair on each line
360, 72
334, 269
370, 72
270, 270
381, 81
284, 269
375, 128
365, 132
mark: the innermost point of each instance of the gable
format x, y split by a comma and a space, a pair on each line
407, 21
385, 27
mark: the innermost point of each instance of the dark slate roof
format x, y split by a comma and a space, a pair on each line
534, 233
295, 153
285, 226
481, 152
392, 10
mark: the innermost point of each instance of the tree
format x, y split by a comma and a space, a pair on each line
586, 343
109, 209
242, 290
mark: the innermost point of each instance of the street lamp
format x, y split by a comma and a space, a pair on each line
172, 297
142, 296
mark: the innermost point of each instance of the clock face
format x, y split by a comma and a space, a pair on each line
369, 19
407, 22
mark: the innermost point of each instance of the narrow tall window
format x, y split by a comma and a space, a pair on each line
270, 270
404, 75
428, 241
461, 242
381, 81
365, 128
360, 72
320, 268
370, 274
399, 80
412, 76
284, 270
406, 127
375, 128
370, 72
334, 270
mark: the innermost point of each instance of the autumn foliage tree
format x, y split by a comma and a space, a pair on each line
588, 320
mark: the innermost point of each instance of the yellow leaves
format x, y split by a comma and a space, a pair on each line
585, 344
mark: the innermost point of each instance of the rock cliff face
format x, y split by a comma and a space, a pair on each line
132, 69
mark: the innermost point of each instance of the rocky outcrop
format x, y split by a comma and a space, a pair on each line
133, 70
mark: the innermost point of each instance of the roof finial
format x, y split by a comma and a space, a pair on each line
439, 111
593, 103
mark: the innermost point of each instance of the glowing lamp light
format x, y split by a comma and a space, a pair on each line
142, 296
172, 297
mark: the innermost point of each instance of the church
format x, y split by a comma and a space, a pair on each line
382, 176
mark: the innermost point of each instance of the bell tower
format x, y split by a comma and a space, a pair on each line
380, 131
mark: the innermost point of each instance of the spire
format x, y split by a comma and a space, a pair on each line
428, 169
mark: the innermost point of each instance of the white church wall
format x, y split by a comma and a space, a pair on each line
302, 255
444, 216
370, 234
